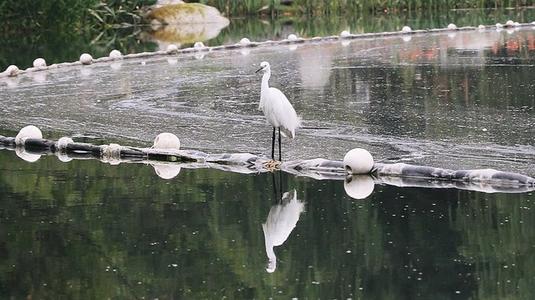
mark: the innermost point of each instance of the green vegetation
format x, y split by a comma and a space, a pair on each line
337, 7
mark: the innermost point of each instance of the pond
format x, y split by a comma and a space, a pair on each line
458, 100
84, 229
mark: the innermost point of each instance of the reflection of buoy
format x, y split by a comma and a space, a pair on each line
406, 38
28, 132
359, 186
39, 63
166, 140
406, 29
166, 171
63, 157
86, 59
115, 54
358, 161
452, 26
29, 157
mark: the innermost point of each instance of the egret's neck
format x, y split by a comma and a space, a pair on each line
265, 80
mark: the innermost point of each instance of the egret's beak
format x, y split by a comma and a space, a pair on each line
259, 70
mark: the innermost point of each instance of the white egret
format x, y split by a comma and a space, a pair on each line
278, 110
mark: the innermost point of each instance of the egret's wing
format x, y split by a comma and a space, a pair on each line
284, 112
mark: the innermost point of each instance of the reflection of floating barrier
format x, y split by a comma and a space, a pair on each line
13, 70
167, 160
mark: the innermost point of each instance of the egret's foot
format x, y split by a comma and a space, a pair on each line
272, 165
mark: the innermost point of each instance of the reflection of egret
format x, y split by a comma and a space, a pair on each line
359, 186
278, 110
280, 222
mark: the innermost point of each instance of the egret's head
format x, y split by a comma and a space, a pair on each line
264, 66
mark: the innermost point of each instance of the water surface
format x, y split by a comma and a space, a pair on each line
85, 229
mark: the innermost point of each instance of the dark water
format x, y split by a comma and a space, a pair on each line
62, 44
85, 229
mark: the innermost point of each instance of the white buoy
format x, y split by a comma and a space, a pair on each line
245, 42
172, 48
112, 154
358, 161
166, 171
86, 59
39, 63
292, 37
115, 54
12, 71
198, 45
452, 26
499, 25
481, 26
509, 23
166, 140
63, 142
28, 132
359, 186
406, 29
345, 33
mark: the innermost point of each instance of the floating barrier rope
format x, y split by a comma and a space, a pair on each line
358, 169
86, 59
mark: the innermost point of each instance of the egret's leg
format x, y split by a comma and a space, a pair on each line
280, 151
273, 145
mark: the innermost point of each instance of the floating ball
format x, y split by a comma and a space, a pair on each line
510, 23
345, 33
115, 54
358, 161
12, 71
406, 29
292, 37
39, 63
499, 25
166, 140
172, 48
481, 26
63, 142
452, 26
86, 59
359, 186
245, 41
198, 45
28, 132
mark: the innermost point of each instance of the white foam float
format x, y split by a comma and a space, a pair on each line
292, 37
12, 71
86, 59
199, 45
358, 161
499, 25
359, 186
115, 54
406, 29
244, 42
509, 23
452, 26
481, 27
63, 142
345, 34
166, 140
39, 63
27, 132
172, 48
